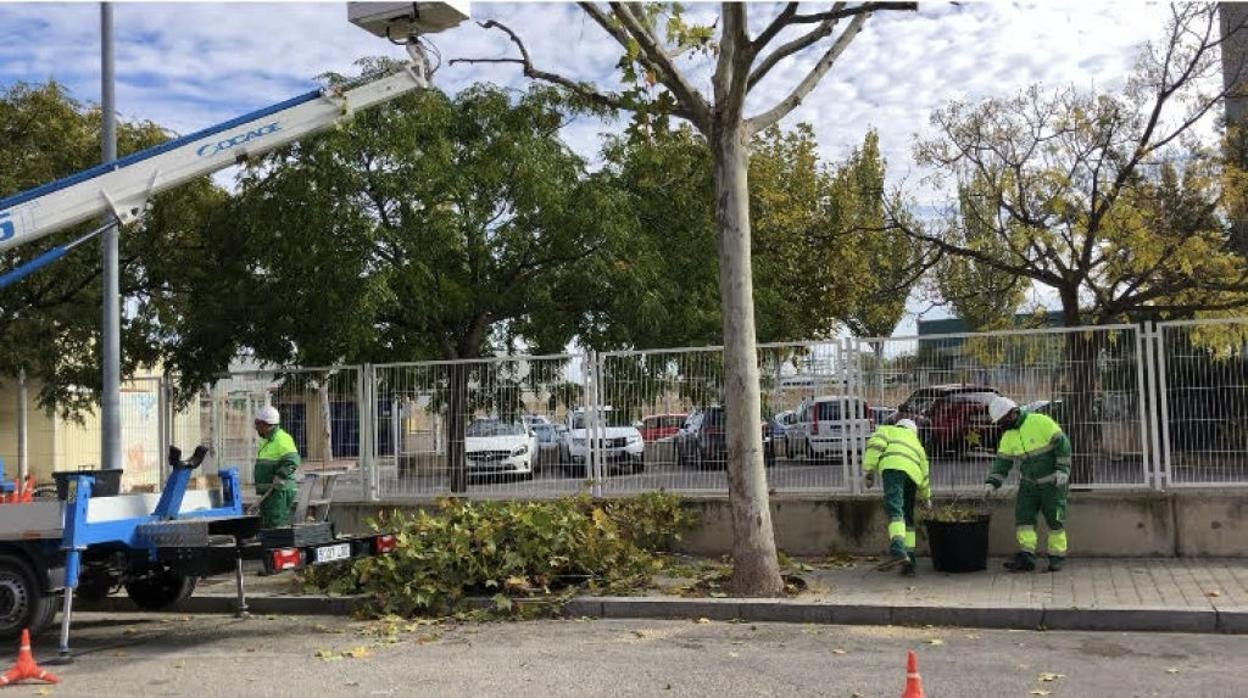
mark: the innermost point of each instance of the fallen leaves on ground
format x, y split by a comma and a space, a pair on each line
703, 621
328, 655
1049, 676
1040, 692
838, 650
935, 642
1172, 670
357, 652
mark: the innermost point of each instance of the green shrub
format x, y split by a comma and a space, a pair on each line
508, 549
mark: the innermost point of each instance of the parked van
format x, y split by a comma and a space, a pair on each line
824, 423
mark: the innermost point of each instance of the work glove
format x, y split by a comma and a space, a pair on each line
1060, 479
868, 480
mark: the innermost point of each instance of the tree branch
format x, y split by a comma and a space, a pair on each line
779, 23
584, 89
839, 13
786, 49
688, 97
758, 123
735, 56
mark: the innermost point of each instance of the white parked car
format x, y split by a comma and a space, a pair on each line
818, 427
499, 447
622, 447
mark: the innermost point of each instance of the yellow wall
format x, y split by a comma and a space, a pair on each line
40, 431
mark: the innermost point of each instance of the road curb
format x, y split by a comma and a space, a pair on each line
1032, 617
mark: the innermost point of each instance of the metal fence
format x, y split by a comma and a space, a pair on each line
1202, 390
1146, 406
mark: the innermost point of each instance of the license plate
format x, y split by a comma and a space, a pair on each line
330, 553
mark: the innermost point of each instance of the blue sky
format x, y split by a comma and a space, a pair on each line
190, 65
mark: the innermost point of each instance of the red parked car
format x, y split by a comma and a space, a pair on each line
952, 417
660, 426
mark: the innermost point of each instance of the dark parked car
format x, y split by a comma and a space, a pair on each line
952, 418
702, 441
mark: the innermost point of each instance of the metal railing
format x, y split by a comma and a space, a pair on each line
1145, 406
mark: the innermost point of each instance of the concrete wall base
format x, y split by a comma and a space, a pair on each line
1182, 523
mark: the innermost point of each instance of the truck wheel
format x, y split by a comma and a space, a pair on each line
22, 602
159, 589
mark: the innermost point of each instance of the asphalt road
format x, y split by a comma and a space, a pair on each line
206, 656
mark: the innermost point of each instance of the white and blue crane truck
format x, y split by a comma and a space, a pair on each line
156, 546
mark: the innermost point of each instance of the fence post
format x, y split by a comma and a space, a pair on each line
365, 414
592, 406
164, 429
1164, 398
218, 425
858, 395
1149, 418
23, 431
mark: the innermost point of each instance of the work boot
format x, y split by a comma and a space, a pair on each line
908, 567
1056, 563
1022, 562
895, 559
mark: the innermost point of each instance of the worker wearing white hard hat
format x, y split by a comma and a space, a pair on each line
1041, 450
896, 452
276, 463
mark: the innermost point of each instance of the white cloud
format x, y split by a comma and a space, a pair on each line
188, 65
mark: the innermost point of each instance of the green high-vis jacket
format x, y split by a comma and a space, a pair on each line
276, 462
1037, 445
898, 448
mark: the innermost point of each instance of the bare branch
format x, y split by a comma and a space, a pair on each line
584, 89
837, 13
788, 104
779, 23
788, 49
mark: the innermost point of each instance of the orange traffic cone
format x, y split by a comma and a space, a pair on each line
914, 684
25, 668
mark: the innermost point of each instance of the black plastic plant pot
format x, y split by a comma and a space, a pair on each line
959, 546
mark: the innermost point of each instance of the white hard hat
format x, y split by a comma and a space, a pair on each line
268, 414
909, 424
999, 407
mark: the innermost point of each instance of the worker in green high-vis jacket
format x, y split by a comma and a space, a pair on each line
276, 463
896, 452
1041, 450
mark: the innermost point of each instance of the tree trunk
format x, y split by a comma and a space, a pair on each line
456, 412
1234, 15
1082, 383
756, 570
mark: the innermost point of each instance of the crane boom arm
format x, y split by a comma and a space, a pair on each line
123, 187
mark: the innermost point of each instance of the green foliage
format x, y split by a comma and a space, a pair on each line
820, 254
891, 262
1105, 197
506, 549
472, 204
49, 322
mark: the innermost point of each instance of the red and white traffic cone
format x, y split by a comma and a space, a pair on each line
914, 683
26, 668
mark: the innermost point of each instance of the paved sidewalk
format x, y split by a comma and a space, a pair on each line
1182, 595
1181, 583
